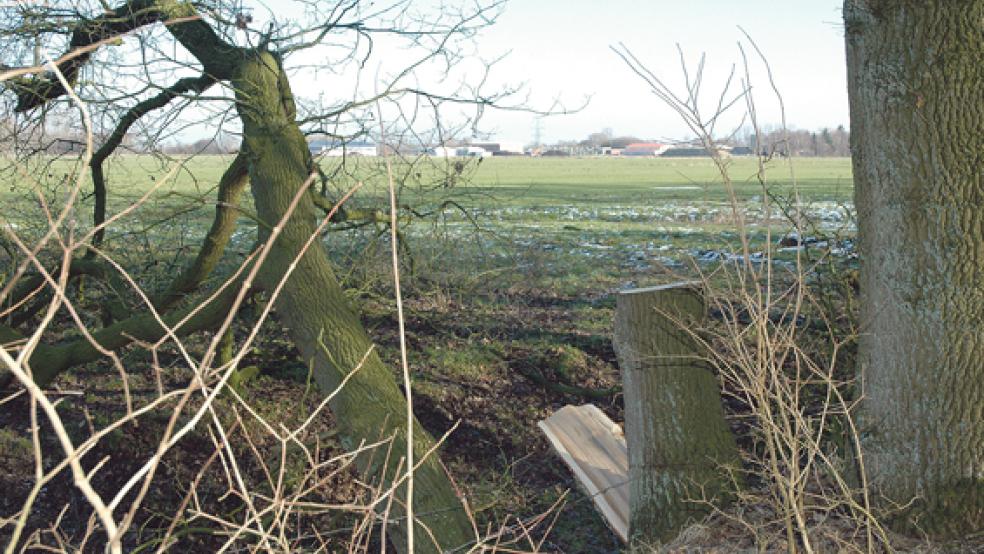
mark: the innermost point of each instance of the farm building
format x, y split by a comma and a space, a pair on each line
501, 148
477, 149
510, 148
355, 148
337, 149
316, 146
693, 151
491, 147
443, 151
645, 149
459, 151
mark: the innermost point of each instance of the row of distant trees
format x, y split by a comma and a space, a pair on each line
54, 138
60, 138
800, 142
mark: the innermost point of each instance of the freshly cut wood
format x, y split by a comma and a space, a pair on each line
593, 446
679, 443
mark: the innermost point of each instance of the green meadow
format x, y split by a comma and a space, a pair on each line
644, 180
571, 225
605, 222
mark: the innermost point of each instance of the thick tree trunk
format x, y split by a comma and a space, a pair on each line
678, 441
916, 82
320, 320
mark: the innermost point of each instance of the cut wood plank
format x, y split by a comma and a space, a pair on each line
594, 448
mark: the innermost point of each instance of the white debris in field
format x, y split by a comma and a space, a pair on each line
828, 214
639, 238
842, 248
595, 246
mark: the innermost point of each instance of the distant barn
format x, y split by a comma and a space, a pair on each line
689, 151
337, 149
458, 151
476, 149
492, 148
644, 149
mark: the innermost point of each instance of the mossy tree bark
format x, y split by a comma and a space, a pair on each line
916, 88
231, 186
320, 320
679, 443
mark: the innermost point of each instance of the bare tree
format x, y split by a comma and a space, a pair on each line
149, 66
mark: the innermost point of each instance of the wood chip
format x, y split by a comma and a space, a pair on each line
593, 446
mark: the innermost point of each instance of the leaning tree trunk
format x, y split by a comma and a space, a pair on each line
916, 83
320, 320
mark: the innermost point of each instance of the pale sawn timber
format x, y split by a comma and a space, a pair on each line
593, 446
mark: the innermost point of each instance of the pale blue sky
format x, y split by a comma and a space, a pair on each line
561, 48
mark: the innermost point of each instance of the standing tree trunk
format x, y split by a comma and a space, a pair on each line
916, 84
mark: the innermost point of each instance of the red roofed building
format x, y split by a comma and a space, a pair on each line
645, 149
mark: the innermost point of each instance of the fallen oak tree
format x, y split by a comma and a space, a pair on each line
312, 304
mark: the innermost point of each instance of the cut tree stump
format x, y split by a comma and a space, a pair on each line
679, 444
594, 448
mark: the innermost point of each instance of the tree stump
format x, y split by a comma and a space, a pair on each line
679, 444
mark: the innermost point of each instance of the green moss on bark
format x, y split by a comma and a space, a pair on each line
320, 320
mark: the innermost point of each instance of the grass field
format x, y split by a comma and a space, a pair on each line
507, 289
616, 219
565, 219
